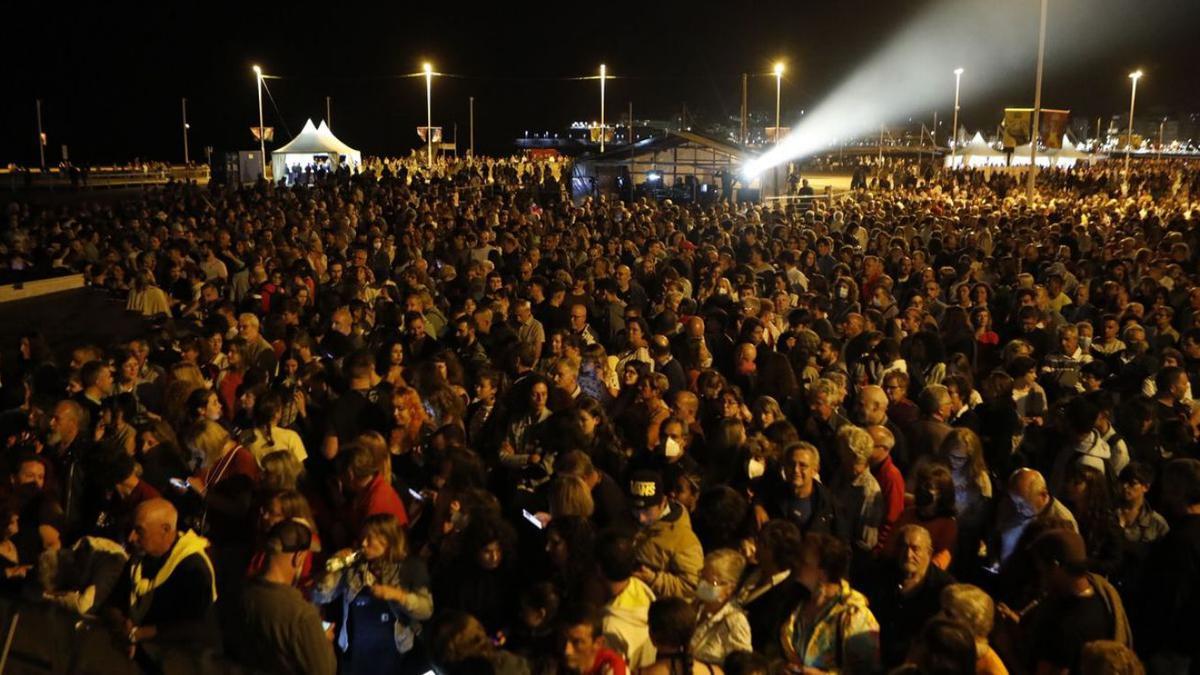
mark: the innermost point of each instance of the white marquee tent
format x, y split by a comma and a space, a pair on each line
1068, 155
976, 153
1020, 156
311, 144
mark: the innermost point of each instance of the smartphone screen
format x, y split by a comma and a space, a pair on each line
416, 495
326, 625
532, 519
179, 483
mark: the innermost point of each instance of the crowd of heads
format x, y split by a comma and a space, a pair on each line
945, 413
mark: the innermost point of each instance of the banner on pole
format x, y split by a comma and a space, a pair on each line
773, 134
437, 134
1018, 123
263, 133
594, 134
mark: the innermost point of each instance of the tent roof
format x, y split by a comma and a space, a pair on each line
314, 141
978, 146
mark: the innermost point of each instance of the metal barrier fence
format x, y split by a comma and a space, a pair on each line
100, 177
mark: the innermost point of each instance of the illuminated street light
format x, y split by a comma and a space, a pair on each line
778, 93
429, 114
262, 134
954, 131
603, 75
1135, 76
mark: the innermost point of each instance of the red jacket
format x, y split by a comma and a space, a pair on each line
891, 485
378, 497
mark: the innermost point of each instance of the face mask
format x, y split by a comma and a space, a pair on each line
756, 468
706, 591
672, 449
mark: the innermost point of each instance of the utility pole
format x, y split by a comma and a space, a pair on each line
630, 130
186, 157
603, 72
1037, 107
745, 113
41, 137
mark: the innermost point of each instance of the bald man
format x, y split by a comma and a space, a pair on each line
168, 590
1030, 500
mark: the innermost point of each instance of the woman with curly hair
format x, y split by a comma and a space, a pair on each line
480, 578
1087, 493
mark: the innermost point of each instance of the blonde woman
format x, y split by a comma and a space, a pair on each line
973, 608
225, 481
570, 496
384, 595
721, 625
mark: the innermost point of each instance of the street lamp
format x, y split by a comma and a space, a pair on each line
1135, 76
429, 114
954, 130
262, 133
186, 126
603, 75
778, 91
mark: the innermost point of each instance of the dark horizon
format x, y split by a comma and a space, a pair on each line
111, 79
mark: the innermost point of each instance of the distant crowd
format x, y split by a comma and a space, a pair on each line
450, 419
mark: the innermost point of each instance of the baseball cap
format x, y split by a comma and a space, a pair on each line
645, 488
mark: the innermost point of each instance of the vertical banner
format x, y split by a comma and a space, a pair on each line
1018, 123
1053, 124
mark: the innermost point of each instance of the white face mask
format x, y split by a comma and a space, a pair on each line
755, 468
672, 449
706, 591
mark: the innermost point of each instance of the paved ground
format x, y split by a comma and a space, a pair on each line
68, 319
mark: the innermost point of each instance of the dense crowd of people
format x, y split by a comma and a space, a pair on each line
453, 420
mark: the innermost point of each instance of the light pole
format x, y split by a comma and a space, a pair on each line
778, 95
329, 112
429, 114
472, 132
41, 139
262, 132
1037, 106
1161, 124
1135, 76
186, 158
954, 131
603, 75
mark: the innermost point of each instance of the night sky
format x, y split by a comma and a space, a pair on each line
111, 77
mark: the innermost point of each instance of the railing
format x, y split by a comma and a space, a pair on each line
100, 177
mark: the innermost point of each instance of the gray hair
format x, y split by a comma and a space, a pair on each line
727, 563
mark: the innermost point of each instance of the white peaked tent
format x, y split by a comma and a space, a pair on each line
309, 145
975, 153
1020, 156
1068, 155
